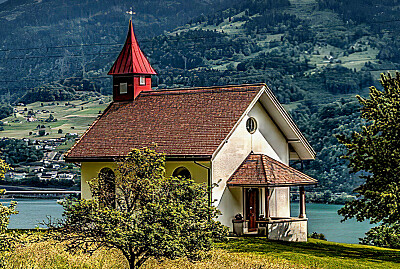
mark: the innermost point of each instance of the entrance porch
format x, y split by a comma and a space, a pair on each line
265, 184
257, 219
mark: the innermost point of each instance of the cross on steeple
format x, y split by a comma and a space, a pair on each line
131, 12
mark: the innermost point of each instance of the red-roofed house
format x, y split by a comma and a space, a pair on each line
239, 137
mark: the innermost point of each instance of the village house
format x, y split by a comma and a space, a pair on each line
238, 137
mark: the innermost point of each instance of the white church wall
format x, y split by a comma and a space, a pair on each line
268, 140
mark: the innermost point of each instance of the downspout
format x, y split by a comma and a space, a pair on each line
208, 180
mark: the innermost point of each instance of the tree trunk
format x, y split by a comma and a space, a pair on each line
132, 264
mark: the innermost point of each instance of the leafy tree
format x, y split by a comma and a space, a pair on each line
4, 167
374, 153
5, 212
51, 118
5, 111
15, 151
386, 235
147, 215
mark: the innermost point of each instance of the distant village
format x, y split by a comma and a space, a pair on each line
51, 169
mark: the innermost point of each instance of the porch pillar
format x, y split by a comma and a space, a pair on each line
302, 202
267, 196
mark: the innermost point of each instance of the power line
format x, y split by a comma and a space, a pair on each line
169, 38
109, 77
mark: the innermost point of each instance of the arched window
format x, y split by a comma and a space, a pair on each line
182, 172
107, 187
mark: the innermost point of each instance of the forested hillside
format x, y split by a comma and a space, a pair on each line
314, 54
43, 41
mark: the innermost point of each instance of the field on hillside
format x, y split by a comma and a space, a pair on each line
236, 253
72, 117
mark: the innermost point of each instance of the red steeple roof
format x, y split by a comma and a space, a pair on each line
131, 60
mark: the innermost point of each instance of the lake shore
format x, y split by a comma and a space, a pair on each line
322, 218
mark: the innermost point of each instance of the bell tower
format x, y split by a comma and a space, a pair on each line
131, 71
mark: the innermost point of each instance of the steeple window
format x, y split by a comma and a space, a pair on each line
123, 88
142, 81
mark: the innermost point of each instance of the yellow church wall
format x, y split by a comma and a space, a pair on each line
91, 170
199, 174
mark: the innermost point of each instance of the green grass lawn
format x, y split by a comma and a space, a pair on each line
317, 253
236, 253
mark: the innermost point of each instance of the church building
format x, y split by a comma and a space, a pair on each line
237, 136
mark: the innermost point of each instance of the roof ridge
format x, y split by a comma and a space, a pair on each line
214, 87
233, 88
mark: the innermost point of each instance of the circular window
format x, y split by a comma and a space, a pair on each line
182, 172
251, 125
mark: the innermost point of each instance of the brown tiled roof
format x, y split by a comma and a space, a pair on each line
182, 122
261, 170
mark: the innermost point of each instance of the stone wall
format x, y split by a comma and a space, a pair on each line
293, 230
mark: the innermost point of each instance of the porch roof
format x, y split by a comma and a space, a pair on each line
261, 170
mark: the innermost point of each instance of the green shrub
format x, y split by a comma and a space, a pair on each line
316, 235
385, 235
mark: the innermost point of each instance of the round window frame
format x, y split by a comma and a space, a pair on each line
251, 131
178, 172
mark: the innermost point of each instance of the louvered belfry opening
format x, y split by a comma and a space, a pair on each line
131, 71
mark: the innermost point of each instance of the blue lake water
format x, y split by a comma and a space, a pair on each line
32, 212
322, 218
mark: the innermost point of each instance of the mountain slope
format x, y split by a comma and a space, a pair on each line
314, 54
41, 38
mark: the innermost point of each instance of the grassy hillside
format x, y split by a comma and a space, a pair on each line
243, 253
72, 117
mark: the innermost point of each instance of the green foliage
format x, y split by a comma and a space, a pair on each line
4, 167
5, 212
146, 216
385, 235
374, 153
15, 151
224, 42
48, 93
364, 11
320, 123
51, 119
5, 111
316, 235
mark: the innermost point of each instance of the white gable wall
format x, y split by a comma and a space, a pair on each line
267, 140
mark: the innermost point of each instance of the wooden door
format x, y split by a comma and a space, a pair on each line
252, 208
